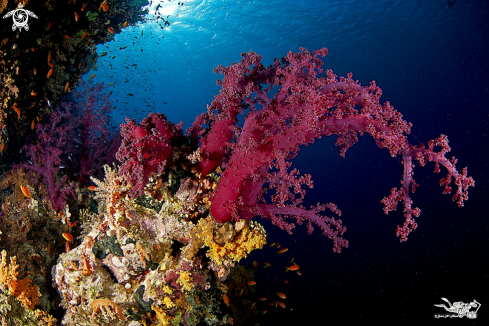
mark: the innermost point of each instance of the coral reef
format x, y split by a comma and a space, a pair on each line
160, 237
138, 260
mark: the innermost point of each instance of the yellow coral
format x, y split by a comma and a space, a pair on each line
167, 289
21, 289
168, 302
251, 237
185, 281
161, 315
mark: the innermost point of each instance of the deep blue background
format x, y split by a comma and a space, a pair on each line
431, 60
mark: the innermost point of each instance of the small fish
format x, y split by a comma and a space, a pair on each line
255, 264
72, 224
67, 86
16, 109
122, 48
33, 93
32, 49
281, 295
294, 267
286, 281
111, 84
102, 5
267, 264
49, 25
281, 304
25, 191
37, 257
263, 299
103, 54
273, 244
226, 299
125, 25
84, 7
281, 251
67, 247
92, 76
29, 161
50, 72
49, 104
33, 124
50, 65
299, 273
35, 71
251, 283
2, 147
61, 166
84, 35
49, 57
76, 16
111, 30
92, 188
68, 237
68, 37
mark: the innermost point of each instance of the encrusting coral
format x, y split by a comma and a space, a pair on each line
144, 255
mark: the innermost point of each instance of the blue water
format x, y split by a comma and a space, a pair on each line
431, 60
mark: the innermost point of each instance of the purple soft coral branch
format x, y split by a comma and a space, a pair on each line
306, 106
45, 157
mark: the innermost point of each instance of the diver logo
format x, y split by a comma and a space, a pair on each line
20, 17
459, 309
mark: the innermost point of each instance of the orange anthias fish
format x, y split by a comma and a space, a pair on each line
16, 109
104, 6
25, 191
226, 299
68, 237
251, 283
50, 72
92, 76
255, 264
281, 304
84, 7
2, 147
84, 35
125, 25
33, 93
281, 251
67, 86
262, 299
281, 295
111, 30
92, 188
292, 268
33, 124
